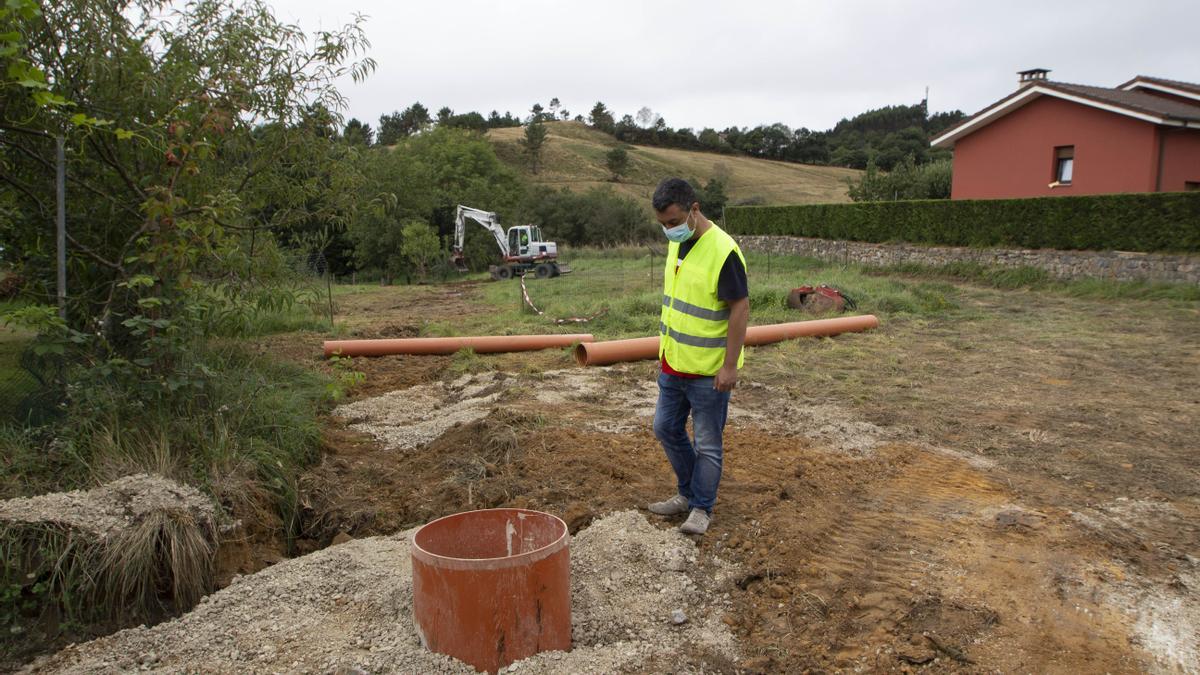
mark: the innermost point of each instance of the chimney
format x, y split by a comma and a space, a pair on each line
1031, 76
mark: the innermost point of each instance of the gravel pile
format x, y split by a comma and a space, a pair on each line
348, 608
412, 417
111, 508
631, 584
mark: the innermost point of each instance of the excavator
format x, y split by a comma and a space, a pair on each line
522, 247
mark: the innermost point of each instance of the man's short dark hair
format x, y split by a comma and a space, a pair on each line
674, 191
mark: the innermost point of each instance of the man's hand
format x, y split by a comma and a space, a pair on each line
726, 378
739, 316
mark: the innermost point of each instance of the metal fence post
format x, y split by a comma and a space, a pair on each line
61, 223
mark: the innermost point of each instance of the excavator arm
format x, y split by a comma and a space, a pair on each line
488, 220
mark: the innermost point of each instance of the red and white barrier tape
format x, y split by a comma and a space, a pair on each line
560, 322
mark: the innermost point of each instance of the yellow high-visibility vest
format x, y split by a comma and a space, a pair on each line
694, 324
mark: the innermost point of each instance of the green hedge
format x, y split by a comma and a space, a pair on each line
1163, 221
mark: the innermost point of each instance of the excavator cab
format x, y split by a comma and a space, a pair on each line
519, 239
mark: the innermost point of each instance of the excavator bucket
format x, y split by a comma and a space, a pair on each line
459, 262
563, 268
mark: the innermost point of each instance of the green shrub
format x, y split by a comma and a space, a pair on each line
1126, 222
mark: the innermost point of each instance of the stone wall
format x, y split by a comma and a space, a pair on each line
1118, 265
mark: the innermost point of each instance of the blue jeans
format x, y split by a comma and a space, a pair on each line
697, 463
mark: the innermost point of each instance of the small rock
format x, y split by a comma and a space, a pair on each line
915, 654
676, 564
678, 617
340, 538
1019, 518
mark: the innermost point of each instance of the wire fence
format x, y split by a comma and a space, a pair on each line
24, 396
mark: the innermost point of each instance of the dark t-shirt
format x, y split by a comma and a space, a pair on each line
731, 284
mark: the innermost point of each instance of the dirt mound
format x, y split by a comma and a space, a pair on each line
104, 511
349, 607
363, 489
411, 417
133, 550
615, 400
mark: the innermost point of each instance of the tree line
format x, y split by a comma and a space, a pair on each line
884, 137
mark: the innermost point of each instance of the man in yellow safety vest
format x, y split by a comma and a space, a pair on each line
705, 308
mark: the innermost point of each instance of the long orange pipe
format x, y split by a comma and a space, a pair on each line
640, 349
491, 344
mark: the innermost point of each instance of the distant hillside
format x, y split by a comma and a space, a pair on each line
574, 157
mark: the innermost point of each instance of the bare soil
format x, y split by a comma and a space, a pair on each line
1010, 490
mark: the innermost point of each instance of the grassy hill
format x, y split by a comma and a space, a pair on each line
574, 157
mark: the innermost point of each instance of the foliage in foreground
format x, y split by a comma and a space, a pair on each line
243, 438
198, 138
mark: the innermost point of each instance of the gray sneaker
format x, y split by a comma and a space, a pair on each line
673, 506
697, 522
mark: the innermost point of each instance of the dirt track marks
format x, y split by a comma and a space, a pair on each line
882, 544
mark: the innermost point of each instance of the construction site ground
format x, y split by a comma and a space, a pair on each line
1010, 485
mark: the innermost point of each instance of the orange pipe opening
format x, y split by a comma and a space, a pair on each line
492, 587
489, 344
640, 349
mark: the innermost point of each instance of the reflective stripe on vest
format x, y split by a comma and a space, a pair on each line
691, 340
687, 308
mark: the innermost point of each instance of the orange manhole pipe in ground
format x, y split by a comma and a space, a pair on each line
488, 344
492, 587
638, 349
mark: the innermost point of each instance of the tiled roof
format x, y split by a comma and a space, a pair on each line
1177, 84
1134, 100
1135, 103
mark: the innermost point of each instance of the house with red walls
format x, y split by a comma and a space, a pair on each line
1053, 138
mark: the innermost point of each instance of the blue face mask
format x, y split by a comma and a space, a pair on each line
681, 232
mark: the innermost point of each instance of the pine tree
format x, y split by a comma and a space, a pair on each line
535, 138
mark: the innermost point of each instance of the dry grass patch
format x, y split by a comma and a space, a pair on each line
574, 157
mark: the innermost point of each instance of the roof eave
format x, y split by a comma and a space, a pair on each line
1027, 95
997, 110
1147, 83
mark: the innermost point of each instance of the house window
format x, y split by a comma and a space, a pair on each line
1064, 164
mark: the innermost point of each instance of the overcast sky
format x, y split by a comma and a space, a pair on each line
746, 62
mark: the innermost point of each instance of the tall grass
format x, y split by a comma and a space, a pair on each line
53, 578
243, 439
252, 427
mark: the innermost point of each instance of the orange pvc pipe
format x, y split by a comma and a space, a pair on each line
765, 335
640, 349
492, 587
490, 344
